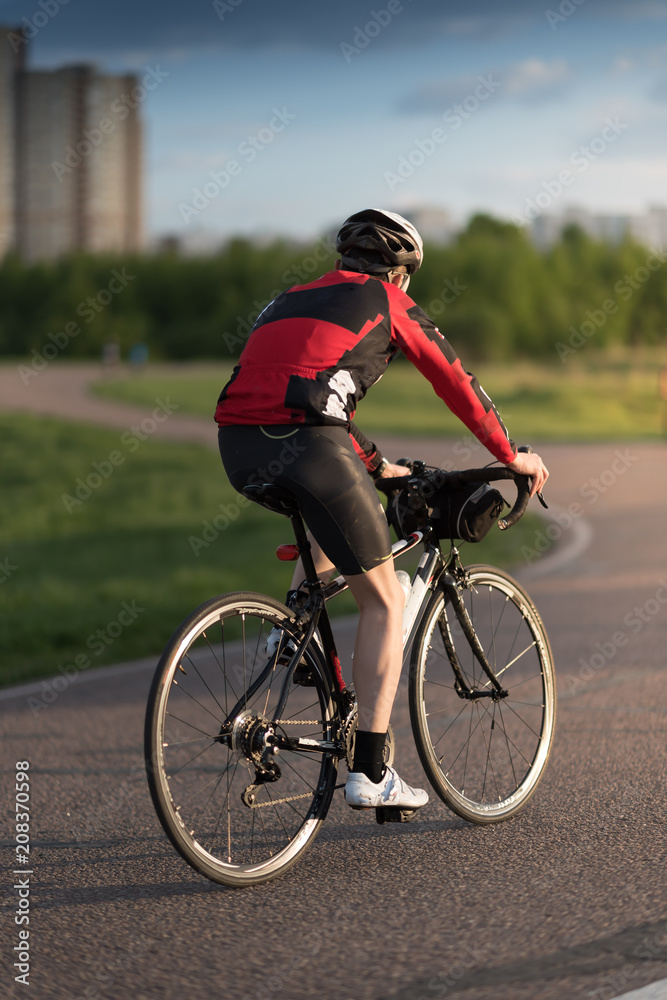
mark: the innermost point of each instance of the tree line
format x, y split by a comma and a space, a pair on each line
491, 292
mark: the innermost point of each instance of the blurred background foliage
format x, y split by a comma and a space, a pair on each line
504, 305
491, 289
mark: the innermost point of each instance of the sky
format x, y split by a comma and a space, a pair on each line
289, 116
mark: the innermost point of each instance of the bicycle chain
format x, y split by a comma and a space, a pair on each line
277, 802
347, 724
298, 722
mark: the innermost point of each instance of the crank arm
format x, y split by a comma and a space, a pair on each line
310, 746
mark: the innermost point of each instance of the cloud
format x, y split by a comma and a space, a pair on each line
622, 64
530, 80
536, 78
437, 95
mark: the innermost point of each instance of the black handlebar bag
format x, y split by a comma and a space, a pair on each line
467, 511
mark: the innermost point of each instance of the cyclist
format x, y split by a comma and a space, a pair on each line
285, 416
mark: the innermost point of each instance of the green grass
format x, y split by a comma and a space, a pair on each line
592, 397
130, 543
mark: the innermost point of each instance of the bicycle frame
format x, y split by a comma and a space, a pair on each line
432, 570
315, 617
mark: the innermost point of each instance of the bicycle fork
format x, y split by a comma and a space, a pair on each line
452, 589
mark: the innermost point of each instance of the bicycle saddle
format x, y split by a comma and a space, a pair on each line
274, 498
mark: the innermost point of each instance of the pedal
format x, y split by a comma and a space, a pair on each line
394, 814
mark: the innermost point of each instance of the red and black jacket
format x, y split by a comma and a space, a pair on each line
317, 348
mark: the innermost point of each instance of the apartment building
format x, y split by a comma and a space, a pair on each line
70, 158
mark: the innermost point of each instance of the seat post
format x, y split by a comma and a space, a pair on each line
316, 591
304, 551
282, 501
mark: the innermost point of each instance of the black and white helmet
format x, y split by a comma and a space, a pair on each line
377, 242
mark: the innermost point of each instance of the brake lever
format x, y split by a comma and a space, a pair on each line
542, 500
526, 449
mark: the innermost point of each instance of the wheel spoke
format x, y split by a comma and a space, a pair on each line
186, 692
501, 671
484, 756
200, 815
190, 724
204, 682
181, 743
221, 667
523, 722
192, 759
231, 824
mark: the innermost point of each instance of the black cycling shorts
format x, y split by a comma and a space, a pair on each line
319, 465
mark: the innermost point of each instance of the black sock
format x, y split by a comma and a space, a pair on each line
369, 754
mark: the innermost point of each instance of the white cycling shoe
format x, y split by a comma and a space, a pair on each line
361, 793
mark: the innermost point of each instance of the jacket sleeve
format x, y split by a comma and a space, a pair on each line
419, 339
369, 453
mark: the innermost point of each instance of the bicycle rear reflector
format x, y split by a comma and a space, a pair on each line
288, 553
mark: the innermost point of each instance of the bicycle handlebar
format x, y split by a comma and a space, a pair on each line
522, 487
395, 483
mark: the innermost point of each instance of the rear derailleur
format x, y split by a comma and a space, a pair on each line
267, 770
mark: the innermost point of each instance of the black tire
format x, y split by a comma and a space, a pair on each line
197, 777
483, 757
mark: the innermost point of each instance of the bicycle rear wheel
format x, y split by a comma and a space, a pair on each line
484, 757
237, 813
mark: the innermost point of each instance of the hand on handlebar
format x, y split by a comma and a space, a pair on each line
390, 471
531, 465
529, 470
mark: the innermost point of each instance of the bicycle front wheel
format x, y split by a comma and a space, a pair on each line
484, 757
237, 811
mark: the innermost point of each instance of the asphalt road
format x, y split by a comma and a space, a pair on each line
566, 901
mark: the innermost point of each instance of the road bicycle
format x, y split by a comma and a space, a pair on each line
249, 717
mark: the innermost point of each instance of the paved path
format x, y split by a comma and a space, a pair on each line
566, 902
62, 390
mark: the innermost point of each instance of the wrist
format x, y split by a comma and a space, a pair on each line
379, 469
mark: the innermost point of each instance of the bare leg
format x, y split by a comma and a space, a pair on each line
378, 650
